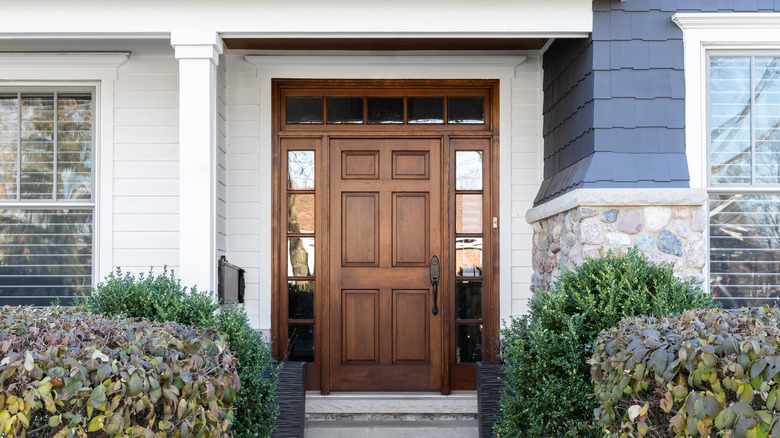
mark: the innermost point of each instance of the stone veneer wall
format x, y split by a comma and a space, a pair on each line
673, 234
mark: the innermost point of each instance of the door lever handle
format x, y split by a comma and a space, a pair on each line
435, 283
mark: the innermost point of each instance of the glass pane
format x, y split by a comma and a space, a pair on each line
469, 299
9, 145
345, 110
74, 147
468, 256
45, 255
766, 114
466, 109
304, 110
37, 147
300, 213
469, 343
385, 110
744, 247
300, 301
468, 213
730, 120
300, 170
468, 170
300, 262
300, 343
426, 110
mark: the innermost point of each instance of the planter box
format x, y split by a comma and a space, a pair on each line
291, 398
490, 383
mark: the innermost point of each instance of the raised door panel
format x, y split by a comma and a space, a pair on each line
360, 229
360, 165
410, 326
411, 229
360, 326
411, 165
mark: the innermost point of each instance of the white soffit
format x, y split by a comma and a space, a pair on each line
301, 18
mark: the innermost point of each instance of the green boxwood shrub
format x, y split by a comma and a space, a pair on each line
702, 373
69, 373
547, 378
163, 298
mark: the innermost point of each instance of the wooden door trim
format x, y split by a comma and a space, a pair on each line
318, 376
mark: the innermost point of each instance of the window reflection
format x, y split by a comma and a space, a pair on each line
469, 343
300, 341
468, 256
744, 247
469, 299
300, 299
300, 262
300, 170
300, 213
468, 170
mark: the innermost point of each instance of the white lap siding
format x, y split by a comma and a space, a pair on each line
146, 164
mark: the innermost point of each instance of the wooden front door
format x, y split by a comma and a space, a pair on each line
385, 226
372, 179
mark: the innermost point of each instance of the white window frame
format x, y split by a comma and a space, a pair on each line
97, 71
705, 35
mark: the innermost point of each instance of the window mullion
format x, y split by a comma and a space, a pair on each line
752, 121
56, 140
19, 147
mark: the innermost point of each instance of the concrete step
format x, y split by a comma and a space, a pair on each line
392, 429
391, 415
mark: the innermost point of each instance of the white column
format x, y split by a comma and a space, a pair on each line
198, 56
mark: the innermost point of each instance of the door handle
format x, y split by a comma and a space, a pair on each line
435, 283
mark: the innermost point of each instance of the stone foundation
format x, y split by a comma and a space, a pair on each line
664, 233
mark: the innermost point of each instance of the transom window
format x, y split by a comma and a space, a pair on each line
46, 195
744, 178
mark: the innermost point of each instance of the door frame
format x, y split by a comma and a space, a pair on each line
318, 372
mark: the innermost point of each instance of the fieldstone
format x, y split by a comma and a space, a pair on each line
680, 212
569, 239
557, 230
618, 239
555, 247
610, 227
656, 258
586, 212
575, 254
567, 221
645, 242
699, 221
537, 227
669, 243
590, 253
694, 276
549, 265
696, 252
681, 228
610, 215
590, 232
656, 218
630, 222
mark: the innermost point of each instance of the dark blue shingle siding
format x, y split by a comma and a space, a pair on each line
614, 109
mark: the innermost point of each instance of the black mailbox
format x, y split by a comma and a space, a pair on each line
230, 288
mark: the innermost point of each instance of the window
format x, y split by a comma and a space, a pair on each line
744, 178
47, 201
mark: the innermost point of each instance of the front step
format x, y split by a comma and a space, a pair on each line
392, 415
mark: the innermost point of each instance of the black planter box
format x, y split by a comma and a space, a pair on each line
490, 383
291, 398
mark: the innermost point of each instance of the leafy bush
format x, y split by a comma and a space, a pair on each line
70, 373
255, 409
545, 352
154, 297
702, 373
163, 298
